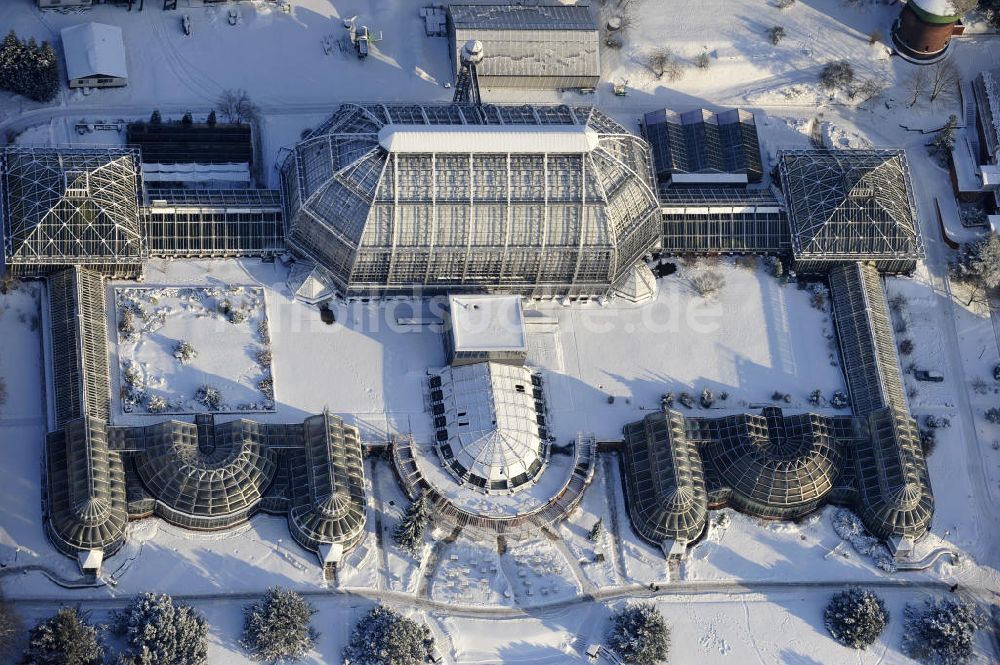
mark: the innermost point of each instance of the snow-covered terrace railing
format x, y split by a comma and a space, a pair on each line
516, 526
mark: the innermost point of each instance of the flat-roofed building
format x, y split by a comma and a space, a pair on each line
529, 46
486, 329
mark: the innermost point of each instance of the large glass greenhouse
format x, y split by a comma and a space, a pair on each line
71, 206
534, 200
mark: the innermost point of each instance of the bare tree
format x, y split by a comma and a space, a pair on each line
237, 107
663, 63
917, 82
870, 90
944, 81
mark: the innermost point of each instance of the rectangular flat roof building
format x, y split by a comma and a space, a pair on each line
534, 47
486, 328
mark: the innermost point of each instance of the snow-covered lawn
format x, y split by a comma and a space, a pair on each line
757, 336
177, 345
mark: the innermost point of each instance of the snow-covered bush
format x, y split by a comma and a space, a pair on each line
942, 632
66, 638
906, 347
131, 375
816, 397
184, 352
667, 400
784, 4
156, 404
856, 617
386, 637
703, 60
409, 533
264, 357
839, 400
266, 387
707, 398
686, 400
237, 315
836, 75
276, 628
639, 634
596, 531
156, 631
850, 528
209, 396
264, 332
126, 322
775, 34
707, 283
993, 415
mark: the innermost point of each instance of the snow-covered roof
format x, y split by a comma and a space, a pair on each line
531, 139
492, 423
196, 172
94, 49
487, 323
522, 17
942, 8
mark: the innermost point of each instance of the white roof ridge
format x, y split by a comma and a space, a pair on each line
496, 139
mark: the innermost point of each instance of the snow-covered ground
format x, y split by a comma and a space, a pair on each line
173, 343
756, 337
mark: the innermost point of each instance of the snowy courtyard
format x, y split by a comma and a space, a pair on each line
189, 350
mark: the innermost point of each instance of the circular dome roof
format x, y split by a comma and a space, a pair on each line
944, 9
777, 465
205, 478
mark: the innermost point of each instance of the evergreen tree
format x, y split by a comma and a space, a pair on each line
856, 618
212, 119
409, 533
187, 119
29, 69
156, 632
979, 263
385, 637
943, 633
66, 638
156, 118
639, 635
942, 144
276, 628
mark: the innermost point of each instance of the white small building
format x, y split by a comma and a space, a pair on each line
95, 56
485, 328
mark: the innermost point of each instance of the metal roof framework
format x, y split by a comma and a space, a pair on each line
545, 224
71, 206
850, 205
490, 418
